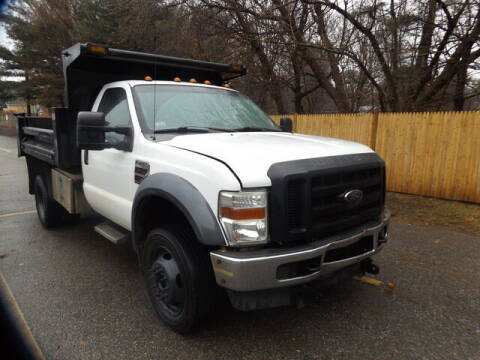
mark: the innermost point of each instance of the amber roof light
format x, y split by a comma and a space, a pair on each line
97, 49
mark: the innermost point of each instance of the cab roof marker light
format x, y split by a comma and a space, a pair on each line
207, 82
177, 79
192, 80
148, 78
97, 49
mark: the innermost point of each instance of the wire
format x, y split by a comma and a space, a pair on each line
154, 97
154, 85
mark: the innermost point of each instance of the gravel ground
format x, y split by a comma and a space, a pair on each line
84, 299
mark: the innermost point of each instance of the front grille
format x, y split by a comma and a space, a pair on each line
294, 203
308, 202
331, 214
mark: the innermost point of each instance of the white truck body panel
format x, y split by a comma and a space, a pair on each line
109, 177
250, 158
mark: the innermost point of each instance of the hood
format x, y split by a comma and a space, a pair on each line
251, 154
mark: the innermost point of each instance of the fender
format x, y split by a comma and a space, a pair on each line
187, 199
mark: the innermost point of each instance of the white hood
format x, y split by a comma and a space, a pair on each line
251, 154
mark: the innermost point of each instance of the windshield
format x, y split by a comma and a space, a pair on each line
172, 106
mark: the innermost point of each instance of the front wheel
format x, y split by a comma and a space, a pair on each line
178, 277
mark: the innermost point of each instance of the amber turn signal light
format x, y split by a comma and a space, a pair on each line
243, 214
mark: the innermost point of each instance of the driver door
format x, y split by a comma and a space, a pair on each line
108, 174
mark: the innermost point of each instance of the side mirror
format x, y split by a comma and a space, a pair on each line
91, 129
286, 124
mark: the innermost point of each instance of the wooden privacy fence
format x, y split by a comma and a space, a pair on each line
434, 154
7, 119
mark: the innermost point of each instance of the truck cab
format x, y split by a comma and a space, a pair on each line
212, 194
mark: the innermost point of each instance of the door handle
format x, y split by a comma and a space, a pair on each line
85, 157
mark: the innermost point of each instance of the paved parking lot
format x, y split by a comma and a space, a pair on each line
84, 299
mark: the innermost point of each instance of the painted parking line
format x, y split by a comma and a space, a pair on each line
6, 150
30, 346
19, 213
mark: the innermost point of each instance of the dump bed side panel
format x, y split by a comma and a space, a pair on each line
36, 138
49, 139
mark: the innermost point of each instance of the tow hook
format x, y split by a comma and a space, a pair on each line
370, 267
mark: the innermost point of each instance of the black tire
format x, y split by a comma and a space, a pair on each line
50, 213
178, 277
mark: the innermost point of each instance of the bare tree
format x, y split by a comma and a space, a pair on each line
303, 55
449, 39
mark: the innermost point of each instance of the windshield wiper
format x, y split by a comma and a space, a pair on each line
254, 128
205, 129
187, 129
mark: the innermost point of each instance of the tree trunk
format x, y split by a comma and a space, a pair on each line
459, 95
424, 50
297, 82
298, 103
340, 93
394, 45
290, 26
27, 98
267, 66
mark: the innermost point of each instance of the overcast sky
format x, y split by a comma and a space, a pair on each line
4, 41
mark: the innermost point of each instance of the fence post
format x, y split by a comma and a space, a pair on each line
295, 121
374, 132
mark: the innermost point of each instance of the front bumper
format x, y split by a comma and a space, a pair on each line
259, 269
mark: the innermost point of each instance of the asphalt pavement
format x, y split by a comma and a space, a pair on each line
83, 297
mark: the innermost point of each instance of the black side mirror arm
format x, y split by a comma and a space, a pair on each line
286, 124
126, 144
124, 130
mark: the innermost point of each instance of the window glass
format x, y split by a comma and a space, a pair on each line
172, 106
115, 107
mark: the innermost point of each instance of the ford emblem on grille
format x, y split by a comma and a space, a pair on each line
352, 196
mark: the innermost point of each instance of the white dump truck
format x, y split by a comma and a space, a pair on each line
212, 194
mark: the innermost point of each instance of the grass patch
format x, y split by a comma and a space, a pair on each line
420, 210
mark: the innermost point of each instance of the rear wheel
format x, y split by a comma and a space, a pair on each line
178, 276
50, 213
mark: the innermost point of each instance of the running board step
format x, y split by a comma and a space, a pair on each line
112, 232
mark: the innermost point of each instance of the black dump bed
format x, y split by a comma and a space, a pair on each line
87, 68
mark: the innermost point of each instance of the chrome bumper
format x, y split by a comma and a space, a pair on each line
257, 269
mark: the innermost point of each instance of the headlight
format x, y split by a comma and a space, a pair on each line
244, 217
